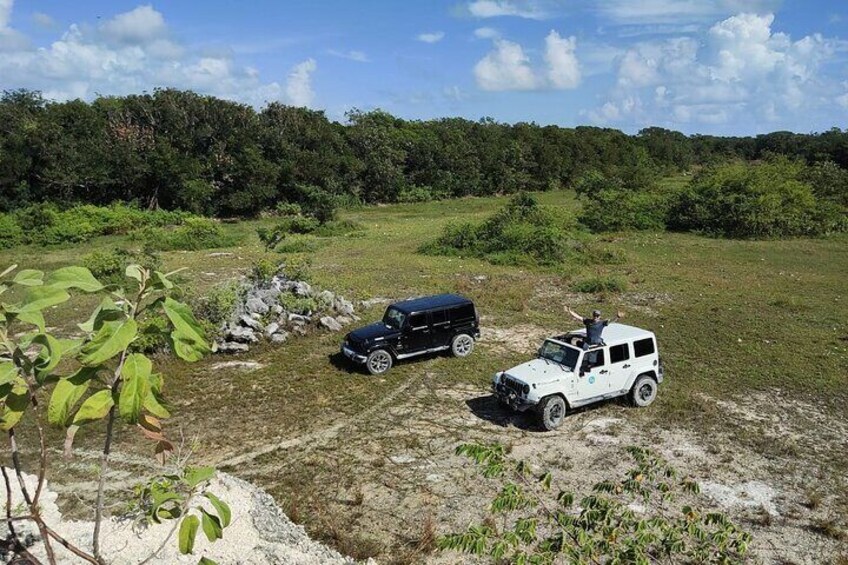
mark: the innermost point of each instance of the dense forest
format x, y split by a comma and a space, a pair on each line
180, 150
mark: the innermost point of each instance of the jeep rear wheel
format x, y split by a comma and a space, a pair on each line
378, 362
462, 345
644, 391
552, 412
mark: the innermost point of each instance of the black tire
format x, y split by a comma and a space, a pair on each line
378, 362
644, 391
462, 345
552, 412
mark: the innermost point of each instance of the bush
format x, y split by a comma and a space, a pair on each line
416, 194
218, 304
288, 209
298, 304
46, 224
109, 266
194, 234
611, 206
264, 270
756, 201
11, 233
522, 233
600, 284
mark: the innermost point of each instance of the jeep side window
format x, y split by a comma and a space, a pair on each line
619, 353
439, 317
594, 358
462, 313
418, 320
643, 347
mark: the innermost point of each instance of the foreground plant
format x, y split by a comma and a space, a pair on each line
92, 379
633, 520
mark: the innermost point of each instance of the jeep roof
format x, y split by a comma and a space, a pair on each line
430, 302
614, 333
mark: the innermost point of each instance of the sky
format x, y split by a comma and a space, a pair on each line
726, 67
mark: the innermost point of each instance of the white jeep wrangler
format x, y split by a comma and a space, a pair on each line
564, 376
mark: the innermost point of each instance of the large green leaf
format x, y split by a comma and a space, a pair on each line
49, 356
135, 386
95, 407
8, 372
38, 298
187, 338
111, 339
153, 404
211, 526
29, 277
74, 277
134, 272
188, 531
16, 404
35, 318
196, 475
67, 393
107, 311
221, 507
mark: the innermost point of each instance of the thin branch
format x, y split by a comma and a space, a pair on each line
16, 462
104, 467
72, 548
9, 518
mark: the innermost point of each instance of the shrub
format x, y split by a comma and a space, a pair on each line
11, 233
195, 233
218, 304
317, 203
600, 284
611, 206
416, 194
298, 304
522, 233
756, 201
264, 269
109, 266
288, 209
299, 244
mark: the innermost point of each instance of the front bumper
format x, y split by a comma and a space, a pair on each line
512, 398
353, 355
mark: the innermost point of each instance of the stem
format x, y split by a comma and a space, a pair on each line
9, 520
104, 467
72, 548
183, 511
42, 464
16, 461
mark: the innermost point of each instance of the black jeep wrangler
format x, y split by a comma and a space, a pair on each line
415, 327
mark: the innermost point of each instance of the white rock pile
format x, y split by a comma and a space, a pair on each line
259, 532
263, 314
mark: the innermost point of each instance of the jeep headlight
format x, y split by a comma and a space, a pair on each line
526, 390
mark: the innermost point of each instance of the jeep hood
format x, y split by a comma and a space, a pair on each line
538, 372
373, 331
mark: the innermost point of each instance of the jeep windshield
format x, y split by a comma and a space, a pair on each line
558, 353
394, 318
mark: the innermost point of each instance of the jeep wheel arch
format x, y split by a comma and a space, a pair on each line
644, 390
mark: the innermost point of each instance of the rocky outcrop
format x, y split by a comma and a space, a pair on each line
259, 532
275, 309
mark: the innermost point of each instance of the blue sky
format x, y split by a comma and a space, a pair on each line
705, 66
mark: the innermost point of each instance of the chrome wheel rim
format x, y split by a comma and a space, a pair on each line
463, 345
379, 363
555, 413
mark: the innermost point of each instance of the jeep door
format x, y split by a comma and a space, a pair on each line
620, 366
417, 334
593, 377
440, 324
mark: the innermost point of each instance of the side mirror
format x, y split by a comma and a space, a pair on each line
539, 352
584, 368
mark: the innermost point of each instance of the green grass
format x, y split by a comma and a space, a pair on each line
732, 317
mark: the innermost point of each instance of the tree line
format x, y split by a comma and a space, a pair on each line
177, 149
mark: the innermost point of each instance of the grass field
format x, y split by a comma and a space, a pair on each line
753, 335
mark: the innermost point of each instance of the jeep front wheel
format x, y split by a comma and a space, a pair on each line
551, 412
462, 345
378, 362
644, 391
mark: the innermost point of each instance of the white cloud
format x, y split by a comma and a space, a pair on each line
141, 25
43, 20
299, 84
506, 67
517, 8
5, 13
131, 53
358, 56
563, 67
486, 33
644, 12
741, 70
433, 37
842, 100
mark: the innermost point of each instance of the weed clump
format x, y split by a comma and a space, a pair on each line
600, 285
194, 234
522, 233
109, 266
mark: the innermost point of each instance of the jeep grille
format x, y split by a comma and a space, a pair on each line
513, 385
